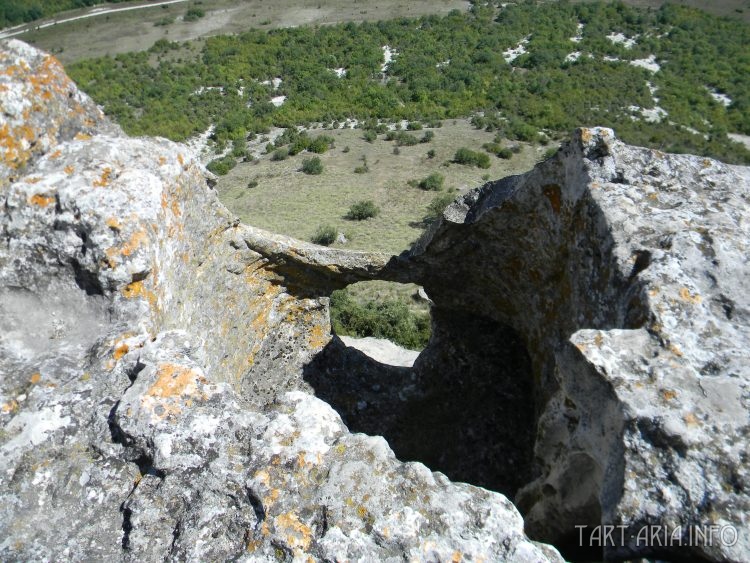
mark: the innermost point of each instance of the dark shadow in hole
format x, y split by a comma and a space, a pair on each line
465, 409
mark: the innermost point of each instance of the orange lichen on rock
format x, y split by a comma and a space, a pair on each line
113, 223
668, 394
69, 169
175, 386
690, 297
82, 137
56, 154
104, 179
36, 378
174, 380
41, 200
317, 338
135, 241
120, 350
296, 534
137, 289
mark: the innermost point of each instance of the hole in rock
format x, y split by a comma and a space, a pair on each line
465, 408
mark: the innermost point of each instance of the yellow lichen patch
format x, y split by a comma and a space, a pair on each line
180, 159
104, 179
162, 160
317, 338
296, 534
69, 169
82, 137
10, 406
135, 241
36, 378
598, 340
690, 297
113, 223
586, 135
41, 200
668, 394
271, 498
675, 350
456, 557
137, 289
33, 180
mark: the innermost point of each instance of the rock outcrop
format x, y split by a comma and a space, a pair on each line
152, 352
160, 361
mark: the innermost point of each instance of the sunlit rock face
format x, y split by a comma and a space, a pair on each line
152, 351
170, 388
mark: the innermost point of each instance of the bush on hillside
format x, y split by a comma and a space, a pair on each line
312, 166
325, 235
362, 210
472, 158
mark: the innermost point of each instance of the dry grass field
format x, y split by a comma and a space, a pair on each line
293, 203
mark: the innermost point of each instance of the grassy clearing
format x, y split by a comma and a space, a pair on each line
288, 201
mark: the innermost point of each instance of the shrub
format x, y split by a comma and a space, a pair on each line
312, 166
504, 153
362, 210
391, 319
361, 169
320, 144
414, 126
325, 235
193, 14
431, 153
370, 135
239, 149
437, 206
280, 154
345, 149
433, 182
252, 184
472, 158
549, 153
221, 166
427, 137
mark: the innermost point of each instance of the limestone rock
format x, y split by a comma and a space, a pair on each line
152, 352
625, 273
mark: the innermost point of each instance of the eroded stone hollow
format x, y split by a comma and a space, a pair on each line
465, 408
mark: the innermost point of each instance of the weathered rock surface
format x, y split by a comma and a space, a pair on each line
152, 352
625, 273
160, 361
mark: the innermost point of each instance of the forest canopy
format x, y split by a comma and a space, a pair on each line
575, 65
